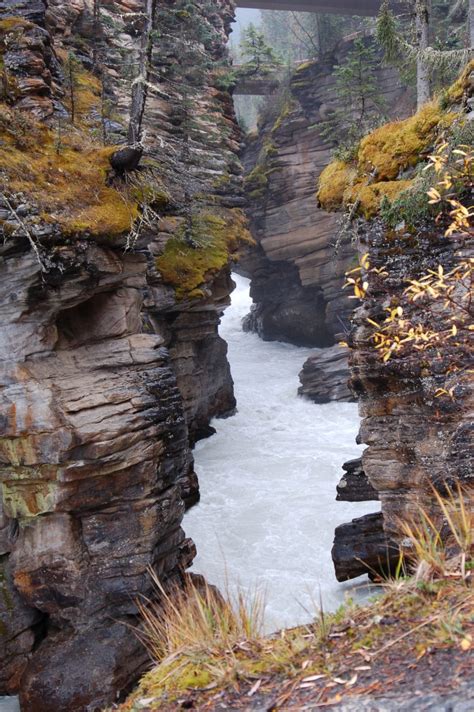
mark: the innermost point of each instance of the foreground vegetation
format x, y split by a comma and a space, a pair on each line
213, 651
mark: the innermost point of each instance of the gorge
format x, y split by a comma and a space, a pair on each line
116, 264
268, 512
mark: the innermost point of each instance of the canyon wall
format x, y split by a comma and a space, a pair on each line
411, 342
297, 272
113, 284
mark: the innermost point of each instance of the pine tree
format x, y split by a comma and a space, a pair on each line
441, 61
357, 89
71, 69
258, 55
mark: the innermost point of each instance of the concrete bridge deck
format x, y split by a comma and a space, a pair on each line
368, 8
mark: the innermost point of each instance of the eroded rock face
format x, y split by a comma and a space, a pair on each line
416, 440
107, 373
94, 441
362, 547
325, 376
298, 270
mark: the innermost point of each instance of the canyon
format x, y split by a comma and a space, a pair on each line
115, 277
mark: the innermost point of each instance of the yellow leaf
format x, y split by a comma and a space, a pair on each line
466, 642
364, 261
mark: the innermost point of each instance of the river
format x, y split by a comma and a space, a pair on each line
268, 481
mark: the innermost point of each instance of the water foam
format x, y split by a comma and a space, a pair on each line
268, 480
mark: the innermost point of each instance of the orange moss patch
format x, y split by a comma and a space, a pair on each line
398, 145
371, 196
87, 92
188, 264
334, 181
456, 92
65, 176
382, 157
13, 23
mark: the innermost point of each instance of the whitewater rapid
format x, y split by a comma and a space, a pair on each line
268, 481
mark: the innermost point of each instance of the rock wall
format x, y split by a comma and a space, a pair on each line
325, 376
297, 272
111, 365
411, 342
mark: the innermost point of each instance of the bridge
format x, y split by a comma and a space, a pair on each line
369, 8
258, 84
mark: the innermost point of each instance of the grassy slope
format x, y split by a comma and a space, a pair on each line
416, 633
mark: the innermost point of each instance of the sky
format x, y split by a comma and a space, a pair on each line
243, 18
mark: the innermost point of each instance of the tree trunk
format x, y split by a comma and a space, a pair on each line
140, 85
423, 11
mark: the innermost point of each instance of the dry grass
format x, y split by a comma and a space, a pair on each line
441, 542
205, 645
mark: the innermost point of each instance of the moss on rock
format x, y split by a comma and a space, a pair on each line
382, 168
371, 196
334, 181
64, 175
396, 146
192, 257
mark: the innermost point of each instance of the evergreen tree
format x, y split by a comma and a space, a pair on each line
435, 56
258, 55
361, 106
72, 67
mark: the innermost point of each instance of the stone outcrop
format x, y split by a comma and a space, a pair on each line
110, 362
361, 547
298, 269
410, 356
325, 376
354, 485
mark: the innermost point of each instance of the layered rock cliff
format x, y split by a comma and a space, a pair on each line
411, 342
297, 272
113, 285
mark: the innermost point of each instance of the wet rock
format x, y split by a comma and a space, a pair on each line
325, 376
297, 272
354, 485
362, 547
107, 378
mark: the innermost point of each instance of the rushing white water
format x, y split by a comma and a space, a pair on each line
268, 481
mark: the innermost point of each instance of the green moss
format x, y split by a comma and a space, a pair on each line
376, 177
23, 501
189, 260
306, 65
9, 24
456, 91
372, 196
256, 182
410, 206
288, 106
